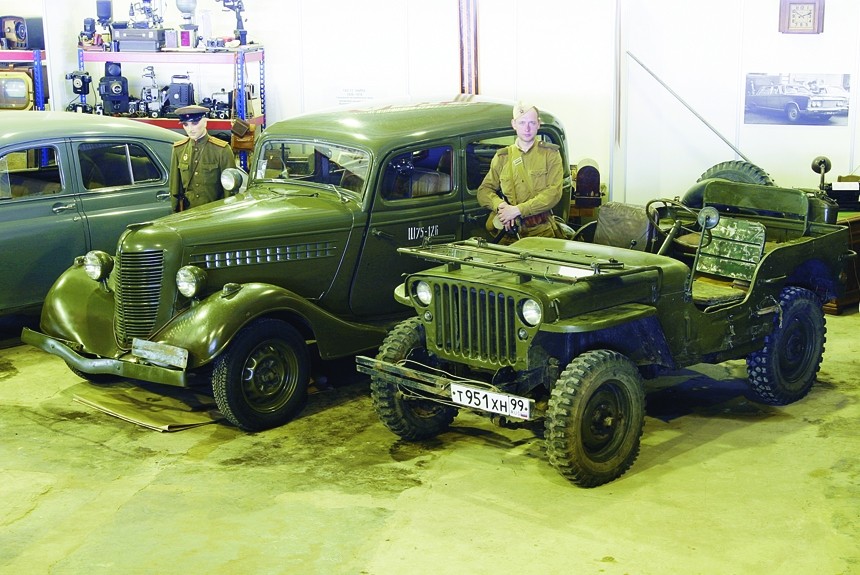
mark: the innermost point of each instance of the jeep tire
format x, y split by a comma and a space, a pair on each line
784, 370
595, 418
409, 417
738, 171
261, 380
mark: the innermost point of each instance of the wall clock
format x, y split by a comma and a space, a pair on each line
801, 16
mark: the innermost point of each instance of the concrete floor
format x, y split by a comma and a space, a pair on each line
722, 486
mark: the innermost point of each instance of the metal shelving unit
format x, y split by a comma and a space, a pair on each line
236, 58
37, 58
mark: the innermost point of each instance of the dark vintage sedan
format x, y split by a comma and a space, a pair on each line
796, 102
70, 183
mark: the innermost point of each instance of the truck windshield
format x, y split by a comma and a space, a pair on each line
318, 162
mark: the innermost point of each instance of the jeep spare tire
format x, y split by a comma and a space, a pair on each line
735, 171
738, 171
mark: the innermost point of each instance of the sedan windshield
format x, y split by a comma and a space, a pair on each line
318, 162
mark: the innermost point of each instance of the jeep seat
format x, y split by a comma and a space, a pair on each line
623, 225
726, 261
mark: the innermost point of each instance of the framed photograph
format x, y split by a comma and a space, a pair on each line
801, 16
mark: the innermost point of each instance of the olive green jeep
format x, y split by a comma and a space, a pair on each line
567, 332
232, 293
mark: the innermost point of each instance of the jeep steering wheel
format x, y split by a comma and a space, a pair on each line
651, 213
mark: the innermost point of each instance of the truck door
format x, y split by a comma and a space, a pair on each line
416, 198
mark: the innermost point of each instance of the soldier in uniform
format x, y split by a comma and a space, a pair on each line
197, 162
524, 182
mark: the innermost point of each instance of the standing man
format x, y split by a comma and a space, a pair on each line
197, 162
525, 181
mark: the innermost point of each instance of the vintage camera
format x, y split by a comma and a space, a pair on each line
113, 89
179, 93
80, 81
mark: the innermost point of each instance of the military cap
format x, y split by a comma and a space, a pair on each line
521, 108
192, 112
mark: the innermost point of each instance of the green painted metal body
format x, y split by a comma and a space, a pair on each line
323, 258
646, 306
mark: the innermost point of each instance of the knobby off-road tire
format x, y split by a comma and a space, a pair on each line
738, 171
784, 370
411, 419
595, 418
261, 380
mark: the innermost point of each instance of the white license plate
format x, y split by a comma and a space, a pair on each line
491, 401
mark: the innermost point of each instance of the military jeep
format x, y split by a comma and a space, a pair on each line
566, 333
233, 293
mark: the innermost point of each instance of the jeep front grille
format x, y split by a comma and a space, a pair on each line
138, 291
475, 323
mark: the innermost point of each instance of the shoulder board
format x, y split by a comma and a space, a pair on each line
548, 145
218, 141
181, 142
502, 151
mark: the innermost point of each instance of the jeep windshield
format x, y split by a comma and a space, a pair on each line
321, 163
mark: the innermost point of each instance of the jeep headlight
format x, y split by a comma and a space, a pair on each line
190, 280
531, 312
423, 292
97, 265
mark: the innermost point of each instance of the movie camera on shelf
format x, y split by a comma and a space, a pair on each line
113, 89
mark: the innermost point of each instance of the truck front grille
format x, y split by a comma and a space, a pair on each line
475, 323
138, 292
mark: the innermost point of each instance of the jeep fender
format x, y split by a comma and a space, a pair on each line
208, 327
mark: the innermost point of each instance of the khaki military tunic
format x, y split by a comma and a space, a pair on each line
531, 180
197, 166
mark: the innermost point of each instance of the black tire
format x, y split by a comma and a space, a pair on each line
411, 418
784, 370
738, 171
792, 113
261, 380
595, 418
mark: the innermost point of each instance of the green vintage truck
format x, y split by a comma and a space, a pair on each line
240, 292
568, 332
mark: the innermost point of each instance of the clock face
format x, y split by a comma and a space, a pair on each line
801, 16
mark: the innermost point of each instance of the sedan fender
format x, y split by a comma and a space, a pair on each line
207, 328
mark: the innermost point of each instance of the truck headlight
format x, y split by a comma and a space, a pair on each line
531, 312
190, 280
98, 265
234, 180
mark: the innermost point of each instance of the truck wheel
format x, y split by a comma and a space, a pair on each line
783, 371
595, 418
738, 171
407, 415
261, 380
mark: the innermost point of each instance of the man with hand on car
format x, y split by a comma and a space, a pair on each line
197, 162
524, 182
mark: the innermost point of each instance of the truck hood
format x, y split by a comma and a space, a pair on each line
264, 212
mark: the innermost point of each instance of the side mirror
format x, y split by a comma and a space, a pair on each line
708, 217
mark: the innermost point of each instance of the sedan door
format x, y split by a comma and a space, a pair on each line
124, 183
41, 228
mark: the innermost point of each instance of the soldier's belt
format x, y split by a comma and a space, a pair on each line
536, 219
